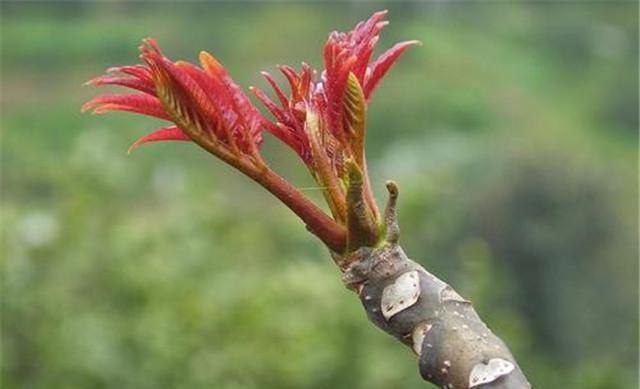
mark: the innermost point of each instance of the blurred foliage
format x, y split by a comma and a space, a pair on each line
512, 134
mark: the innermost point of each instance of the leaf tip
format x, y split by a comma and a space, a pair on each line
209, 62
88, 106
134, 146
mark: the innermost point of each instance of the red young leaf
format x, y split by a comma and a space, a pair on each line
172, 133
384, 62
145, 86
139, 103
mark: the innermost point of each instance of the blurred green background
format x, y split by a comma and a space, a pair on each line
512, 134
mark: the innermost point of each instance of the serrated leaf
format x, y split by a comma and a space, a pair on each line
355, 109
172, 133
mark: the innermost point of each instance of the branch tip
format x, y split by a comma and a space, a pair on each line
391, 214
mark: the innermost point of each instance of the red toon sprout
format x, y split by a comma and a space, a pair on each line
321, 118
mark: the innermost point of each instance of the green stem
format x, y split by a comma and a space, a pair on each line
361, 226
